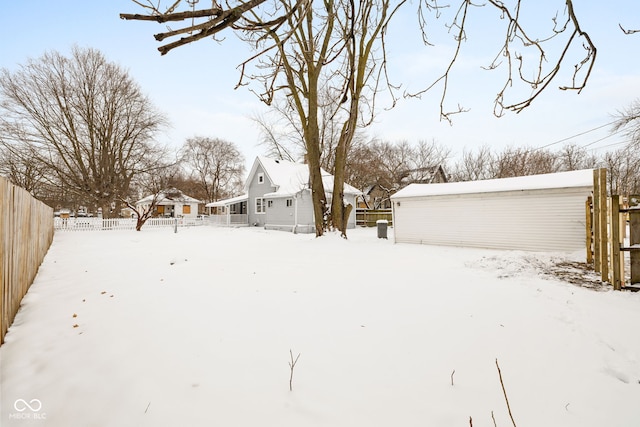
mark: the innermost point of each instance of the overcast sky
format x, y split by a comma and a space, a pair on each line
194, 84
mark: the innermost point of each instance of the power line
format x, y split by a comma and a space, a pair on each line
601, 139
609, 145
579, 134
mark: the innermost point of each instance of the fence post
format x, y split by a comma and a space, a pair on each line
634, 237
589, 226
615, 244
603, 233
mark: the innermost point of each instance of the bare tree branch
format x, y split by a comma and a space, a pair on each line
515, 62
504, 391
628, 32
170, 17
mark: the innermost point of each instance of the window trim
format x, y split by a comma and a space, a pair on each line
263, 208
260, 178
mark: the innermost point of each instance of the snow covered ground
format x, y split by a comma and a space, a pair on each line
153, 328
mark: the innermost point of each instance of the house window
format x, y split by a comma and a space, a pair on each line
269, 203
260, 178
260, 205
186, 209
289, 203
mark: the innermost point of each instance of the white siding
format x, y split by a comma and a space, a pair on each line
351, 200
536, 220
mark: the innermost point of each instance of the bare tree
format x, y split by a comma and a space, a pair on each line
623, 168
303, 46
573, 157
430, 153
474, 165
18, 166
524, 161
282, 132
323, 48
277, 140
395, 165
215, 164
150, 184
82, 118
363, 165
628, 122
520, 161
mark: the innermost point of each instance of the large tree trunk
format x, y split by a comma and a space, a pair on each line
338, 219
106, 209
339, 212
312, 142
315, 177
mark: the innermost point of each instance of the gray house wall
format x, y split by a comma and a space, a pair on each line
305, 211
283, 217
255, 190
278, 213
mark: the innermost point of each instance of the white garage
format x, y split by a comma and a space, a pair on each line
536, 213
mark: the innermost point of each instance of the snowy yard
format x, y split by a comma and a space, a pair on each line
153, 328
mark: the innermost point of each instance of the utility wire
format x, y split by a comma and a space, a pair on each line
607, 146
577, 135
601, 139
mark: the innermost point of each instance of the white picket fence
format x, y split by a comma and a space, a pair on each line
93, 224
228, 220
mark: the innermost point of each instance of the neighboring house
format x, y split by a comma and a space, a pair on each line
426, 175
538, 212
278, 197
375, 197
171, 203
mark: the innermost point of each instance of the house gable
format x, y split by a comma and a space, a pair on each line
257, 185
278, 195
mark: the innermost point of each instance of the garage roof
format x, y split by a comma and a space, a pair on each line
580, 178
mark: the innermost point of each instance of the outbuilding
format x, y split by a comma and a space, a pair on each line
535, 213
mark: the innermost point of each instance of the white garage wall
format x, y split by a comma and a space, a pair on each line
537, 220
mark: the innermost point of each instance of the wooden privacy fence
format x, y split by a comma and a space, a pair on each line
368, 217
26, 227
613, 230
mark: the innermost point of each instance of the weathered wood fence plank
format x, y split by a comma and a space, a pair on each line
26, 230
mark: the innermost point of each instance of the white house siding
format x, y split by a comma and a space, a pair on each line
192, 208
350, 199
536, 220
